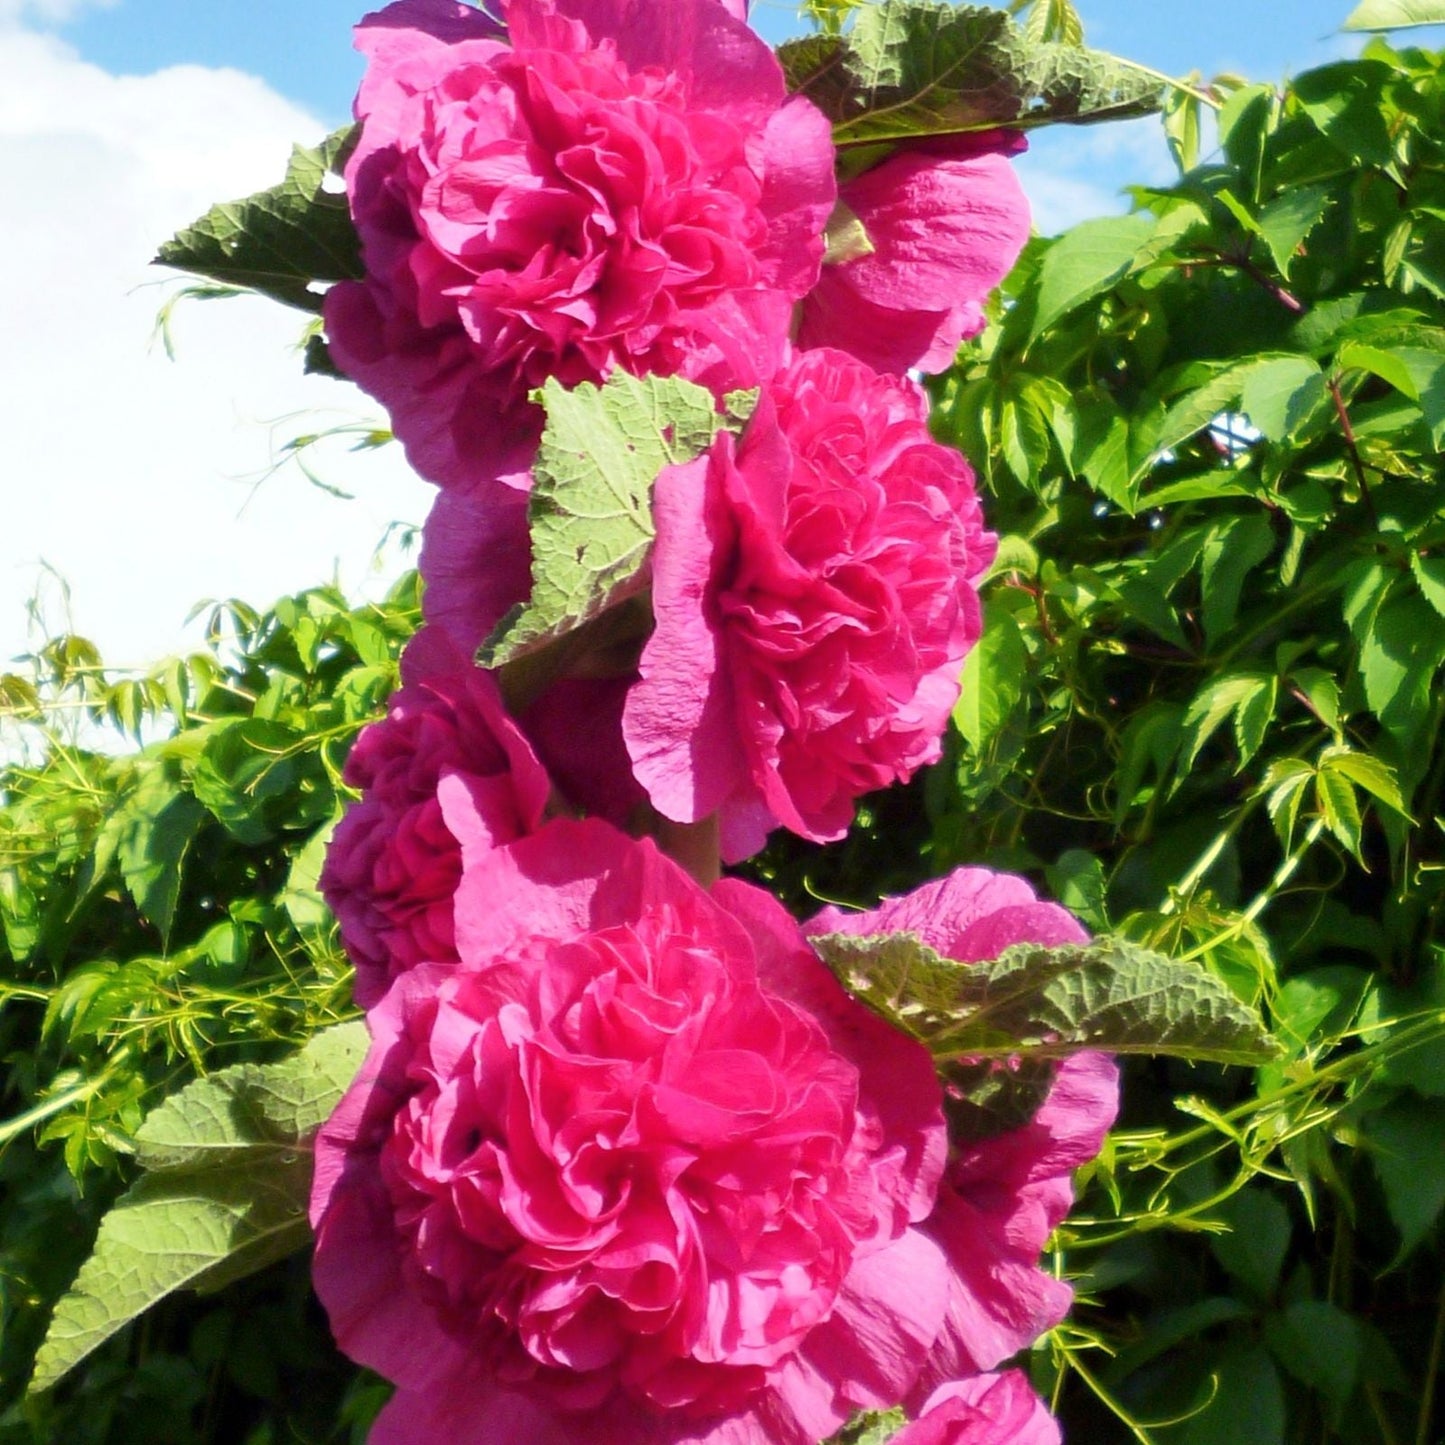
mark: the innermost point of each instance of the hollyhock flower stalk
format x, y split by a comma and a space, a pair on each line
598, 184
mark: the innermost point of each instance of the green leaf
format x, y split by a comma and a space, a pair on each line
1254, 1247
1053, 20
1313, 1009
164, 1234
251, 1112
1340, 809
1087, 260
1400, 649
1285, 783
279, 241
1381, 362
1046, 1003
1427, 371
1246, 1401
227, 1195
1407, 1149
1241, 694
1182, 113
912, 68
1288, 219
993, 678
1077, 880
1429, 574
1281, 394
1319, 1344
1233, 549
151, 833
590, 510
1100, 452
1395, 14
1322, 690
1344, 101
1375, 777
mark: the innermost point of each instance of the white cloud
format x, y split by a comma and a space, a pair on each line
133, 476
1074, 173
49, 11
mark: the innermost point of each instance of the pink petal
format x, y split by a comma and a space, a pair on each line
678, 719
947, 221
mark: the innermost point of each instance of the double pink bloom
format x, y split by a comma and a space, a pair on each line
636, 1167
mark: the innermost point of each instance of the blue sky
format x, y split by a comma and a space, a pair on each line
298, 45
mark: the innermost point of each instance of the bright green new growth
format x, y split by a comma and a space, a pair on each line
278, 241
229, 1176
1034, 1002
590, 510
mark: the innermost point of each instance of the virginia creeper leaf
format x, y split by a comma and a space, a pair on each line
230, 1175
1395, 14
590, 510
279, 241
1088, 260
151, 833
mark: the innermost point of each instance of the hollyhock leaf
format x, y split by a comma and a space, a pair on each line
281, 240
230, 1175
912, 68
252, 1110
590, 512
1037, 1002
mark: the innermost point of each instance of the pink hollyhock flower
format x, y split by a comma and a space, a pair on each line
985, 1410
947, 220
445, 777
638, 1170
814, 593
1002, 1197
607, 183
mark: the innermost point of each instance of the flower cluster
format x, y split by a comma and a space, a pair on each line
625, 1162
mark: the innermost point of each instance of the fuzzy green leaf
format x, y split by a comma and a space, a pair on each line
912, 68
1395, 14
590, 510
281, 240
251, 1111
227, 1193
1046, 1003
